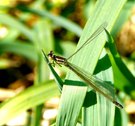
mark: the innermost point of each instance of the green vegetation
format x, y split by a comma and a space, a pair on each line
39, 25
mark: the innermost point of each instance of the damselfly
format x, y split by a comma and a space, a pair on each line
97, 84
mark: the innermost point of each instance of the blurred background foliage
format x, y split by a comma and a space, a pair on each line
26, 27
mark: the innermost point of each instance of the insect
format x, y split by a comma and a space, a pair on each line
97, 84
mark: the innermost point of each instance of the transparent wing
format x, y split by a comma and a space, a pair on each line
92, 37
97, 84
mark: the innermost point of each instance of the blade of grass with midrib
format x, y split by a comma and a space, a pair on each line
103, 112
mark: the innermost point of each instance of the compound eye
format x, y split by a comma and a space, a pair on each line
50, 54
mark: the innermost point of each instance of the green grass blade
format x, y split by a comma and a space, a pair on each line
121, 118
67, 24
67, 111
14, 23
123, 78
56, 76
19, 48
29, 98
87, 59
43, 34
